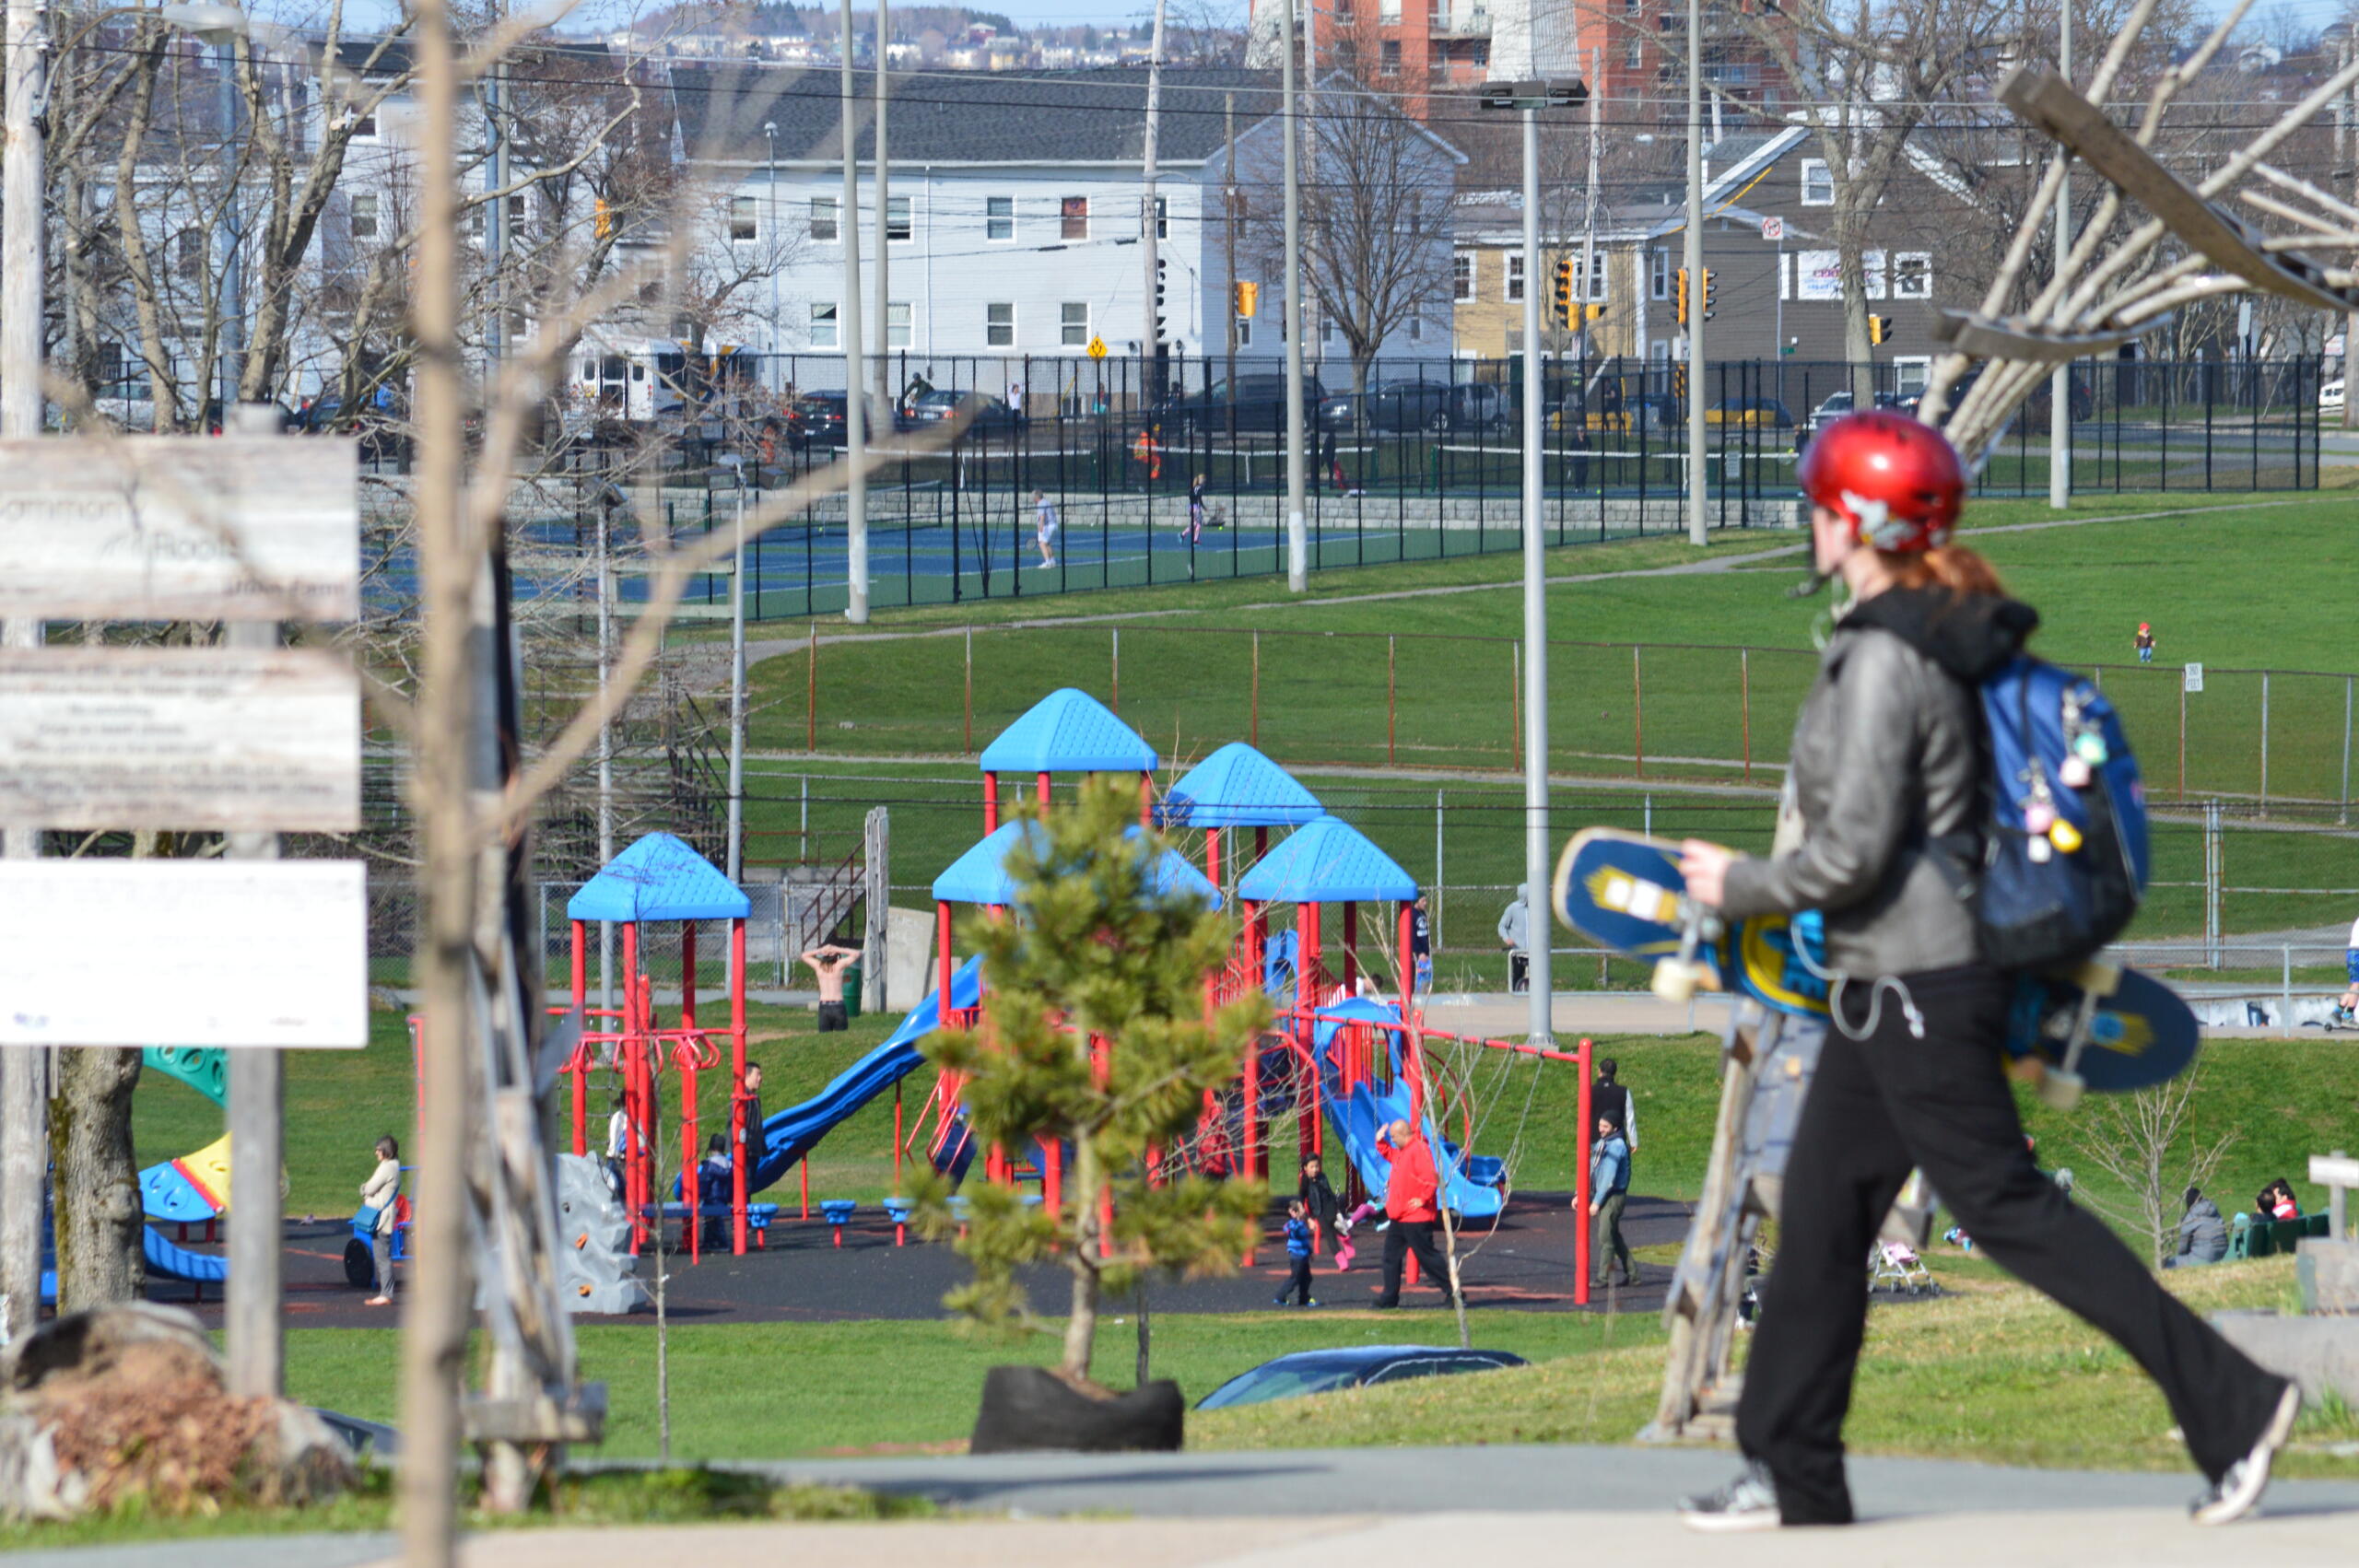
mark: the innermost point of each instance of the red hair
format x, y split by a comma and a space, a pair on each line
1953, 566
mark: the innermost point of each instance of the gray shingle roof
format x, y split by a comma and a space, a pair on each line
967, 117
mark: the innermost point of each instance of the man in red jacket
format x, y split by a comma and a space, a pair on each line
1412, 1194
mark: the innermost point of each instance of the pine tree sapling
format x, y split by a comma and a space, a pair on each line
1095, 1037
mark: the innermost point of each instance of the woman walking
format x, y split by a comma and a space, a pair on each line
1886, 789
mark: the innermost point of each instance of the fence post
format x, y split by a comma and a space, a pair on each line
1637, 712
2285, 989
2264, 742
966, 703
1115, 693
2344, 815
2182, 737
1515, 699
811, 695
1391, 695
1744, 701
1253, 725
2211, 857
1438, 899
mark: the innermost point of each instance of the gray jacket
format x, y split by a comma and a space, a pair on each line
2203, 1235
1886, 781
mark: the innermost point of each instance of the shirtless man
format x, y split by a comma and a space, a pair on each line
828, 962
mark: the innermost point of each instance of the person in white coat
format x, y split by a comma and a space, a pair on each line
379, 1192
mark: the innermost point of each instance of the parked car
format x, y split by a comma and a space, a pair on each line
1750, 413
2330, 396
1840, 403
1259, 403
818, 420
1389, 408
1359, 1366
131, 406
984, 412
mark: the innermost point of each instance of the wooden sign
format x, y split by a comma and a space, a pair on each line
161, 528
193, 952
193, 738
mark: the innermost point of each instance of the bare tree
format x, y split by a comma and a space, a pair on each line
2149, 1144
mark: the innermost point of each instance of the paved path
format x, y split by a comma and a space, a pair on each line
1348, 1508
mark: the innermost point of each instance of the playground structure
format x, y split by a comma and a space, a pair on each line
1344, 1064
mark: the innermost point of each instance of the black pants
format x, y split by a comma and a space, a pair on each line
1299, 1282
832, 1017
1402, 1238
1876, 1107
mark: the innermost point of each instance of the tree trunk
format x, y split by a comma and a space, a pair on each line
1081, 1326
1851, 260
100, 1261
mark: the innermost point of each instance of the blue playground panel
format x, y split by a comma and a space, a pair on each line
1471, 1183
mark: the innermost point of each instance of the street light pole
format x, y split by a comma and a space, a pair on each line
2059, 385
776, 247
233, 282
855, 373
1698, 466
1298, 535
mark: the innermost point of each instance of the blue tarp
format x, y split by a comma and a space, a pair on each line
1238, 786
1068, 732
1328, 861
979, 876
659, 878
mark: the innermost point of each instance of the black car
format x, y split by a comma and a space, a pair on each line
818, 420
983, 410
1359, 1366
1257, 402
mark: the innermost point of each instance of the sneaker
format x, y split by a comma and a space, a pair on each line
1748, 1503
1310, 1301
1277, 1301
2234, 1494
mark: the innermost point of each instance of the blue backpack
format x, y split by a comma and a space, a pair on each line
2066, 858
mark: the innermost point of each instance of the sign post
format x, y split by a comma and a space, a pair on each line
246, 739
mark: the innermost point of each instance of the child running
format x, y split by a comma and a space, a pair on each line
1045, 526
1196, 510
1297, 1255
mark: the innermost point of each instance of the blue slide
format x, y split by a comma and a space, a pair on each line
165, 1261
1356, 1120
795, 1131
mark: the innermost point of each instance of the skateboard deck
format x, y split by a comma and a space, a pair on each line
2103, 1028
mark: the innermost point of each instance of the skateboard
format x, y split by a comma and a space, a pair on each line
2103, 1028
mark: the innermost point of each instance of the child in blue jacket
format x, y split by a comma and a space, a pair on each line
1297, 1254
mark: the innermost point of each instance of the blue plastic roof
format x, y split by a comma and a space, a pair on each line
1326, 862
659, 878
1238, 786
979, 876
1068, 732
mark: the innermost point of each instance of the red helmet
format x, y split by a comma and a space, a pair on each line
1897, 482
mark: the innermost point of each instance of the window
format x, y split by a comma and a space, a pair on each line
1462, 276
364, 227
1387, 10
520, 324
899, 224
1327, 329
1389, 63
1634, 54
1416, 329
1912, 274
824, 226
999, 326
1596, 275
364, 126
1818, 183
1658, 274
743, 222
1163, 218
188, 245
1910, 375
1073, 213
896, 324
823, 326
1073, 329
999, 218
1515, 276
1478, 51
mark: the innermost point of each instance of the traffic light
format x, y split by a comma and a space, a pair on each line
605, 220
1565, 292
1879, 328
1161, 270
1592, 312
1709, 279
1682, 296
1247, 296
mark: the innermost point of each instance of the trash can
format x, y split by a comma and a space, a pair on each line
852, 990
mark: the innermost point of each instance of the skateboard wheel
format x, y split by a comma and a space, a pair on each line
2061, 1091
1678, 979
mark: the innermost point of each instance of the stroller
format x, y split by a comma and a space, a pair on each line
1896, 1265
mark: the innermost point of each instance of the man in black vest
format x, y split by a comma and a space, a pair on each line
1612, 1101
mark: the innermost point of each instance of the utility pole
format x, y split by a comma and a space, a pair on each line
737, 696
1589, 217
1541, 1029
2059, 385
886, 393
24, 1075
1229, 230
233, 282
1698, 466
1297, 535
1150, 252
775, 239
855, 374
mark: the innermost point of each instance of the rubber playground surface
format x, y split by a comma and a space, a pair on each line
1524, 1264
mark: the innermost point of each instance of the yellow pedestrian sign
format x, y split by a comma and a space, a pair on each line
1098, 348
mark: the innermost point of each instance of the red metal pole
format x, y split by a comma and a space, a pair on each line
1410, 1000
689, 975
740, 1149
579, 1067
1212, 856
1040, 800
1146, 799
634, 1110
691, 1188
897, 1144
1581, 1260
942, 967
990, 801
1307, 990
1351, 949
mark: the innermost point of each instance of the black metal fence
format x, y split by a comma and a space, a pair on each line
1078, 474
